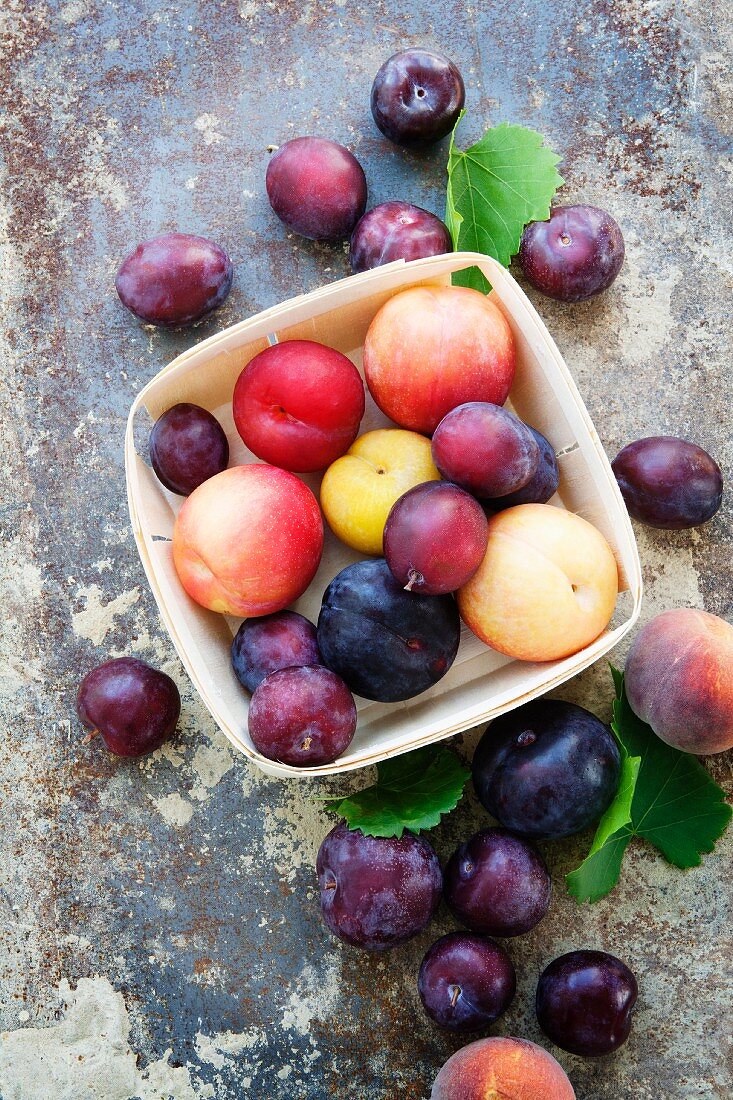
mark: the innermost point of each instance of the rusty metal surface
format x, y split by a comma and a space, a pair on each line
159, 922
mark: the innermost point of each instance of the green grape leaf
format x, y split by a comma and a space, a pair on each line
495, 188
665, 796
413, 792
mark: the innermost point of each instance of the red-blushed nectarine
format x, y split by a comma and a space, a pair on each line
679, 679
431, 348
248, 541
546, 588
502, 1069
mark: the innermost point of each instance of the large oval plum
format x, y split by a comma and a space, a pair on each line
386, 643
175, 279
668, 482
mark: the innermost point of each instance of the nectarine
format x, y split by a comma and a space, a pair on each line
248, 541
502, 1069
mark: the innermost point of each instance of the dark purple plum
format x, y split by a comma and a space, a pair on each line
416, 98
176, 279
304, 717
377, 892
668, 482
485, 449
397, 231
435, 538
543, 483
187, 447
133, 706
497, 884
317, 188
585, 1001
574, 255
466, 982
547, 769
282, 640
386, 643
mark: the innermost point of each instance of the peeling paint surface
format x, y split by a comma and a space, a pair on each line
159, 928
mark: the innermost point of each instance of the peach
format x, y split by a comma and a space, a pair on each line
679, 679
546, 588
248, 541
502, 1069
431, 348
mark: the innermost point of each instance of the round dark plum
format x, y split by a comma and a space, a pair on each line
133, 706
304, 717
435, 538
282, 640
574, 255
585, 1001
397, 231
547, 769
417, 96
497, 884
387, 644
485, 449
377, 892
466, 982
668, 482
187, 447
317, 187
176, 279
543, 483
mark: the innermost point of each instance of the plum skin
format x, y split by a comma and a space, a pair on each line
669, 483
317, 188
397, 231
302, 716
574, 255
584, 1002
416, 97
377, 892
282, 640
485, 449
133, 706
543, 484
175, 279
547, 770
465, 981
187, 446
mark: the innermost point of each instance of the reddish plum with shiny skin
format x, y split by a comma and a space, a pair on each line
416, 97
585, 1001
543, 483
317, 188
485, 449
133, 706
302, 716
574, 255
187, 446
669, 483
261, 646
175, 279
466, 982
377, 892
397, 231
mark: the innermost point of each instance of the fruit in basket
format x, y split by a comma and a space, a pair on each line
176, 279
261, 646
317, 187
546, 588
248, 541
466, 982
485, 449
397, 231
497, 884
187, 447
377, 892
574, 255
431, 348
547, 769
502, 1068
134, 707
585, 1001
387, 644
359, 489
543, 483
668, 482
302, 716
435, 538
416, 97
679, 679
298, 405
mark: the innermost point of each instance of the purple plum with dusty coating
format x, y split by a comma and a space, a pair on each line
574, 255
303, 717
133, 706
397, 231
417, 96
317, 188
175, 279
466, 981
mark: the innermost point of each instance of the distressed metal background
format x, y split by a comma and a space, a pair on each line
159, 922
